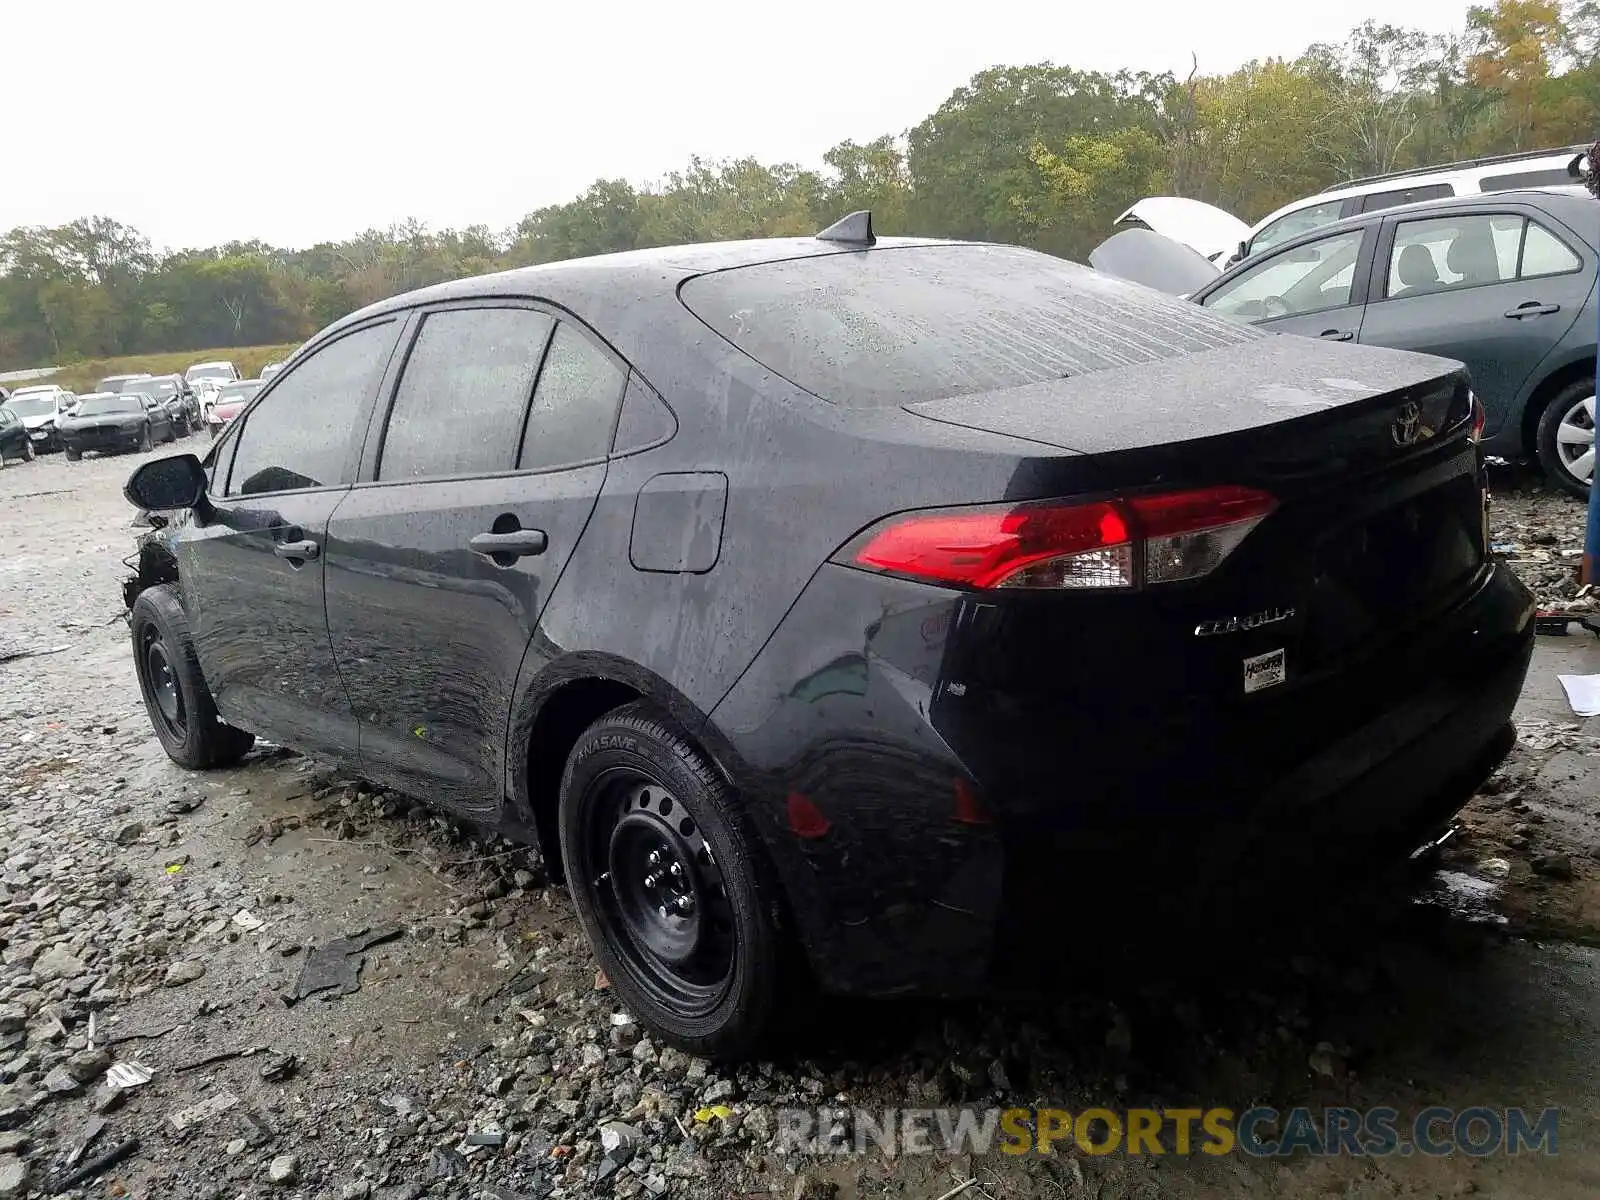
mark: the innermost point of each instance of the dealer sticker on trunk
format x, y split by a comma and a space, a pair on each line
1263, 670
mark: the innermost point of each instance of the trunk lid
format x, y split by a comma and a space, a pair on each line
1205, 228
1379, 524
1140, 256
1310, 401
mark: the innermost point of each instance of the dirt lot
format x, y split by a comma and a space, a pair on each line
154, 918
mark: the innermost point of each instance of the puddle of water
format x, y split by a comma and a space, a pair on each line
1469, 897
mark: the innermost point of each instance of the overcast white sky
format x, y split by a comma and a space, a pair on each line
297, 122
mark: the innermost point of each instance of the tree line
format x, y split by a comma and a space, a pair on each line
1041, 155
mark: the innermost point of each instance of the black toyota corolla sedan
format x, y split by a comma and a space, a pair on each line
809, 602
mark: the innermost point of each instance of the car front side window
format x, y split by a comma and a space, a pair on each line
1306, 279
301, 434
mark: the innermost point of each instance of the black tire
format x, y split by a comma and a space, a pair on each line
1547, 443
72, 455
636, 792
181, 709
145, 440
27, 450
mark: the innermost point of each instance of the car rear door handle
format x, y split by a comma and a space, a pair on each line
302, 550
1532, 308
516, 544
1337, 335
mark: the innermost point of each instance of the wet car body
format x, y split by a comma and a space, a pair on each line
923, 755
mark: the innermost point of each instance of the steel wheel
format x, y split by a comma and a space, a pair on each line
658, 891
162, 681
1575, 440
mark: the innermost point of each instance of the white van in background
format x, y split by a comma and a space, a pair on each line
1198, 225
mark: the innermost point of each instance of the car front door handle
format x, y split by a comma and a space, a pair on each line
301, 550
1337, 335
1532, 308
516, 544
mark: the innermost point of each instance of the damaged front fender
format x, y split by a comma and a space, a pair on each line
154, 560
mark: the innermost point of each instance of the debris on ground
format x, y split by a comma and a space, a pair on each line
337, 965
208, 1108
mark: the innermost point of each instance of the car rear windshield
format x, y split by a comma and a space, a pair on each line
161, 389
208, 371
237, 393
903, 324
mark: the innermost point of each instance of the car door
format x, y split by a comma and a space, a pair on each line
1496, 288
1314, 286
251, 558
440, 561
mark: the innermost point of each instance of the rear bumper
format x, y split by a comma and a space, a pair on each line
914, 888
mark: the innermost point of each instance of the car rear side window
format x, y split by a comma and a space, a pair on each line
301, 435
575, 405
1373, 201
1545, 254
1547, 177
464, 393
1448, 253
902, 324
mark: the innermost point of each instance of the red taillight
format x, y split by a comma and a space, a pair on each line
1480, 416
1118, 543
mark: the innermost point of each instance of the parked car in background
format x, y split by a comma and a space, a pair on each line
1504, 283
268, 371
1471, 177
230, 399
1106, 592
40, 407
115, 383
1202, 227
108, 421
178, 398
222, 372
15, 445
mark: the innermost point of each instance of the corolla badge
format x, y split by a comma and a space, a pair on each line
1255, 620
1406, 430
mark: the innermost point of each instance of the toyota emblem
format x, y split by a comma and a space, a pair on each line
1407, 427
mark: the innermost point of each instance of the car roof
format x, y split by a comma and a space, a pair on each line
651, 274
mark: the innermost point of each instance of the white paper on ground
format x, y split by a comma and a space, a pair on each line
1583, 693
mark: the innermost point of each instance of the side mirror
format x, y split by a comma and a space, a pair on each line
1243, 252
167, 483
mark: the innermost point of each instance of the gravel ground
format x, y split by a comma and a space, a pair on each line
155, 919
